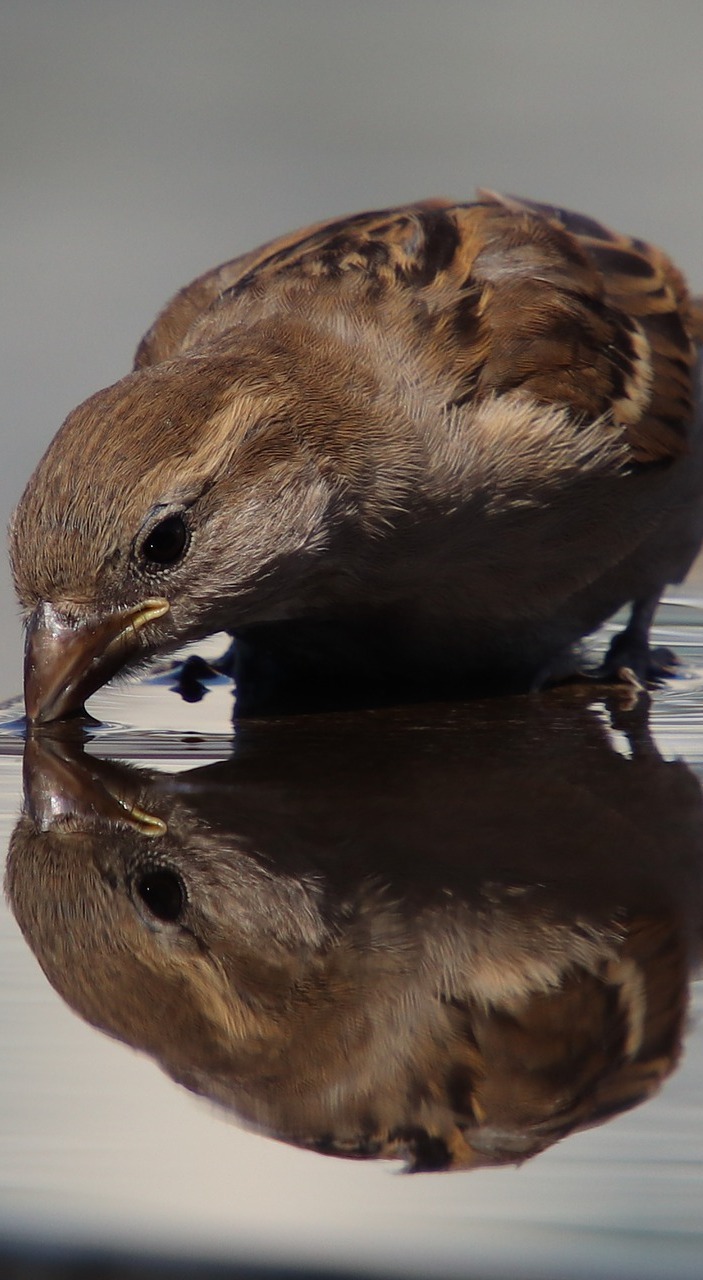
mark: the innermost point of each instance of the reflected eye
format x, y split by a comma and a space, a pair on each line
162, 892
167, 542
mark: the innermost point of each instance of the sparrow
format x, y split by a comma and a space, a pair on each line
409, 452
371, 969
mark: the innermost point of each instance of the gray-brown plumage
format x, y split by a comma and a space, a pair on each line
406, 451
451, 935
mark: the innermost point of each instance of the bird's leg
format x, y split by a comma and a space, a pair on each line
279, 668
630, 658
285, 668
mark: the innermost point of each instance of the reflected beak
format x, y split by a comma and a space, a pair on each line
67, 659
61, 781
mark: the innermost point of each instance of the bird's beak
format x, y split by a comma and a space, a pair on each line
60, 781
68, 658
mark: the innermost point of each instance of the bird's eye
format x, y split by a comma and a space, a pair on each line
162, 892
166, 543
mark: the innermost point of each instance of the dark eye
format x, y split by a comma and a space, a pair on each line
162, 892
166, 542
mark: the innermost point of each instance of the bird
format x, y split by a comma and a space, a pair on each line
345, 937
406, 453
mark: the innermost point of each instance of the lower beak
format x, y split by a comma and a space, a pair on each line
68, 658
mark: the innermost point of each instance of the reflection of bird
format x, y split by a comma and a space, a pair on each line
348, 937
403, 450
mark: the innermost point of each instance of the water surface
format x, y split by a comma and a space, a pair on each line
439, 937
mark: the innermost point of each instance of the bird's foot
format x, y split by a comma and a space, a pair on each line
192, 678
633, 667
196, 673
663, 663
630, 666
631, 661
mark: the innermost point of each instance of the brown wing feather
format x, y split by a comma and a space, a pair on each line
503, 295
642, 286
164, 339
324, 247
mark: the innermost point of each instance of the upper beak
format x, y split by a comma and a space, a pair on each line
60, 780
68, 658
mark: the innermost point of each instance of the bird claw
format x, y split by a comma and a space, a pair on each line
663, 663
637, 665
194, 675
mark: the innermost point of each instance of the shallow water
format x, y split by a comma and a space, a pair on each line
494, 914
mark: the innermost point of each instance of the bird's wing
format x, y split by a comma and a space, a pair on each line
502, 295
326, 241
645, 366
163, 340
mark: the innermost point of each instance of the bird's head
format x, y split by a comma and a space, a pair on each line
185, 498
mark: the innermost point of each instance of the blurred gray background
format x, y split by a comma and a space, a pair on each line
145, 140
